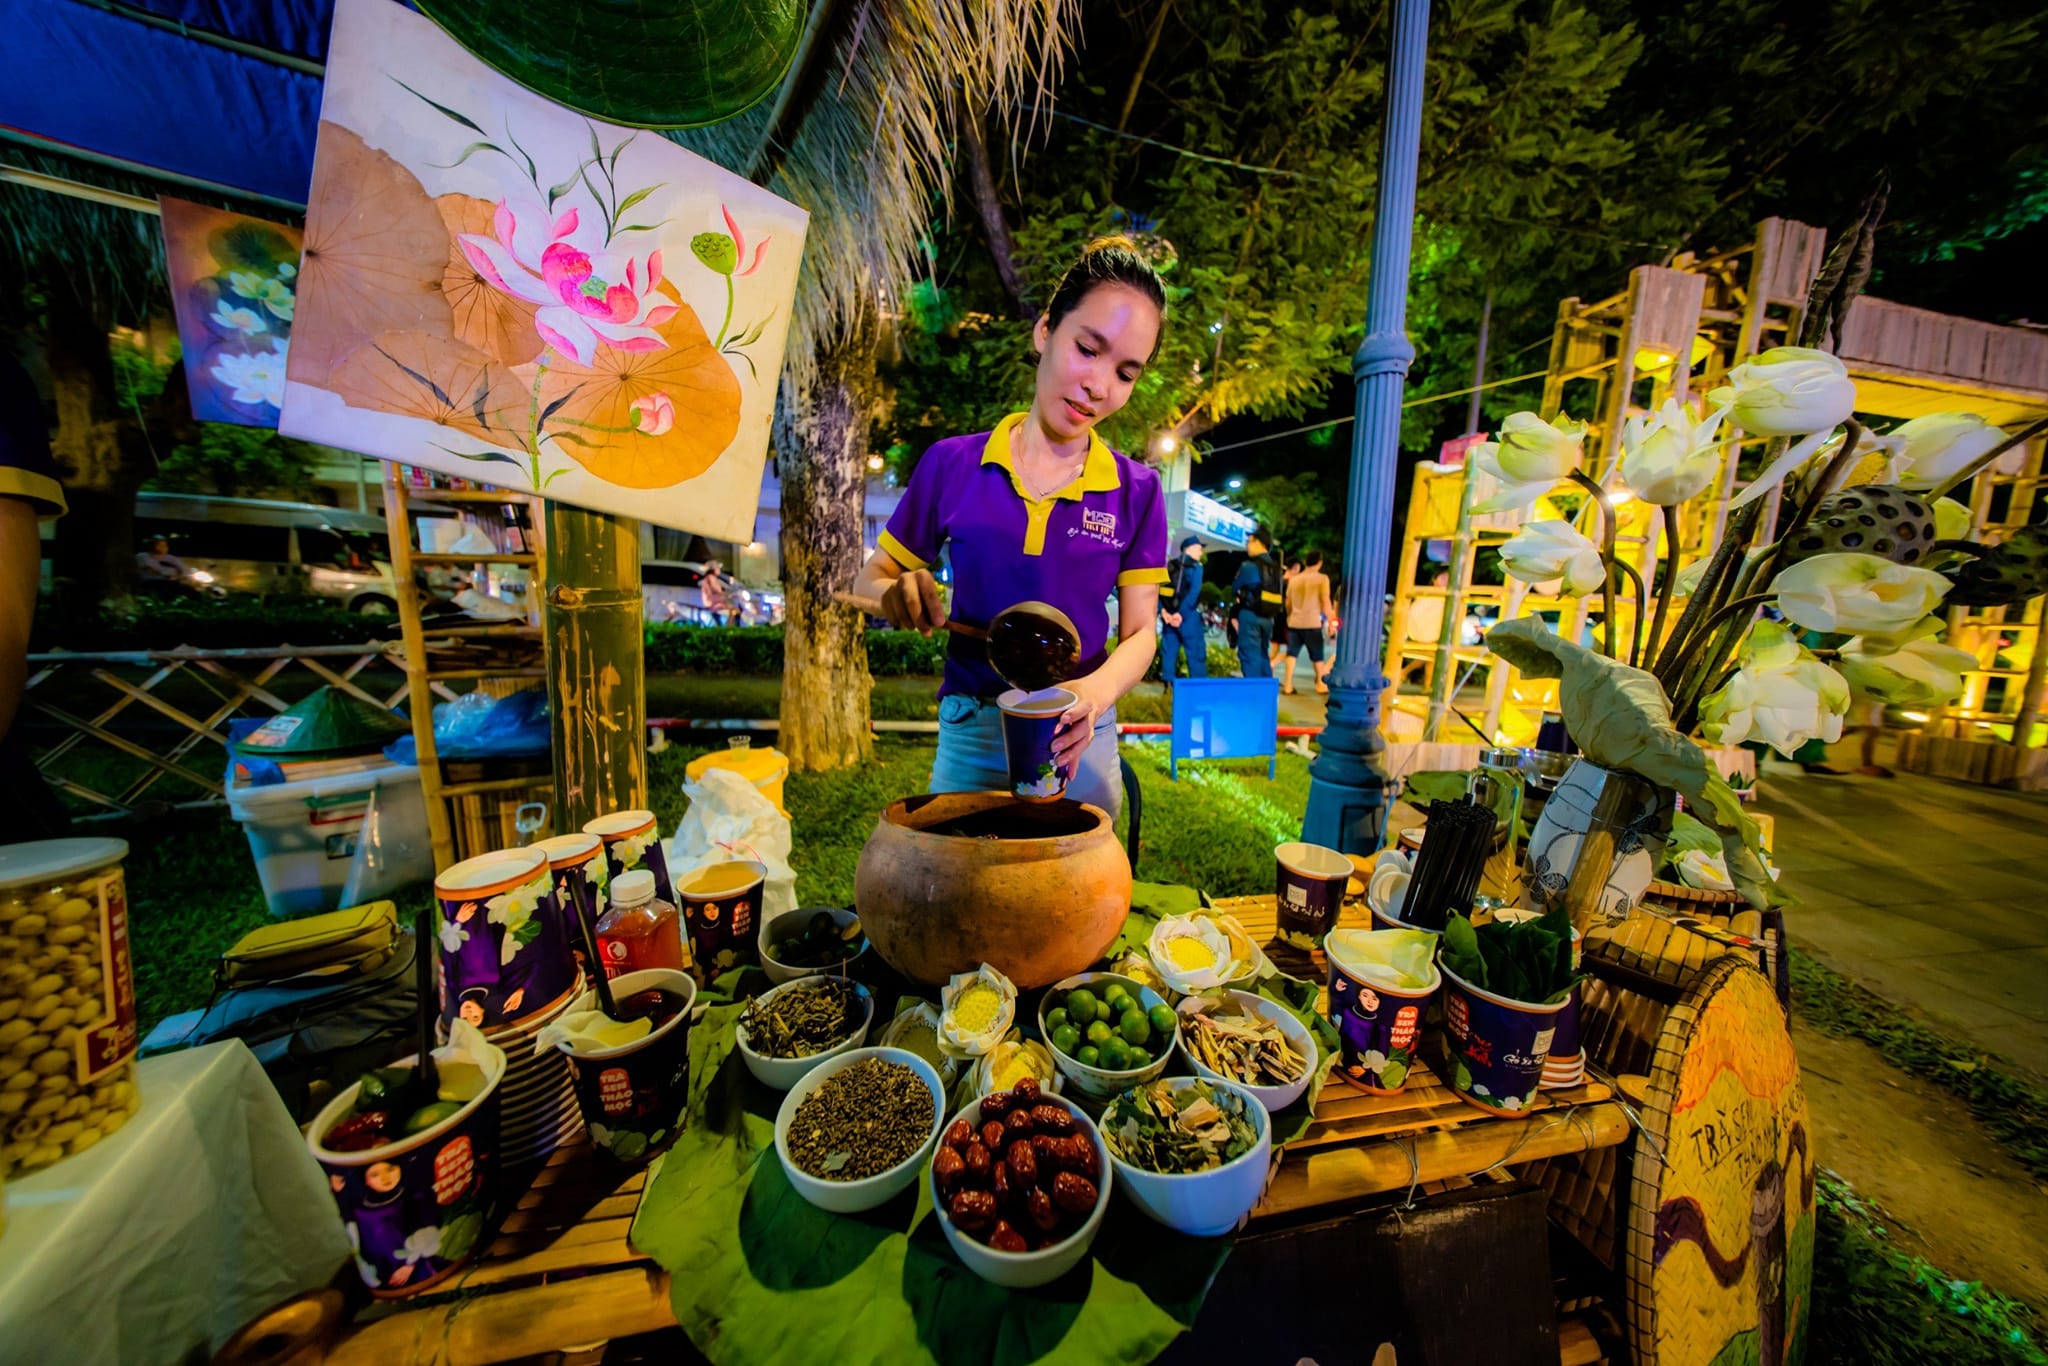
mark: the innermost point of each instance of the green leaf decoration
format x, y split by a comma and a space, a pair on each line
471, 151
634, 198
680, 64
460, 118
1620, 719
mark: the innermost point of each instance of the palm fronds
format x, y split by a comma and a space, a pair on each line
872, 157
73, 252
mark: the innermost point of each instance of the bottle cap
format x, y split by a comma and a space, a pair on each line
630, 889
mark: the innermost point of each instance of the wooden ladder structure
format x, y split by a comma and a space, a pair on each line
460, 816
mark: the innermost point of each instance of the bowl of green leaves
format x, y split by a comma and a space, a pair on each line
1504, 984
1192, 1153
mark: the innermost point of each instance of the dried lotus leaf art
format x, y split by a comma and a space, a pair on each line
500, 288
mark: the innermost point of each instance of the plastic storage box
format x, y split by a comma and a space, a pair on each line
303, 834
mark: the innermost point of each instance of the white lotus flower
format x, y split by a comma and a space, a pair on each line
1529, 459
1914, 673
1552, 549
1933, 447
1671, 457
1782, 695
1857, 594
1191, 953
633, 848
453, 936
1788, 391
255, 377
975, 1010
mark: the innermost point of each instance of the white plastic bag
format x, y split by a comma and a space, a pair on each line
729, 818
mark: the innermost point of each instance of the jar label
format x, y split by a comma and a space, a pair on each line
110, 1044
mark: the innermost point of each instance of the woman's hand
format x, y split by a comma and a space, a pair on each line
914, 602
1093, 696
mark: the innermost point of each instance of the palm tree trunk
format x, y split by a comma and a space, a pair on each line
995, 224
821, 449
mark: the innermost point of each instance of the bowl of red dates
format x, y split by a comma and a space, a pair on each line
1021, 1179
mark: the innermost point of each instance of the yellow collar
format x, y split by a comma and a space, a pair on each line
1098, 472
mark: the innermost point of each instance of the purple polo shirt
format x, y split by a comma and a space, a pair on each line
1073, 549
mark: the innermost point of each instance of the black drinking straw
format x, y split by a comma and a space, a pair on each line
427, 1075
602, 983
1455, 844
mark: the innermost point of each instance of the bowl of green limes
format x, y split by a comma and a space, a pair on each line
1108, 1033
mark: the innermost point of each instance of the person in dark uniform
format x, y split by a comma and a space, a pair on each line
1180, 613
1257, 600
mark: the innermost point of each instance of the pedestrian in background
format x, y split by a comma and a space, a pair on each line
1180, 613
1257, 600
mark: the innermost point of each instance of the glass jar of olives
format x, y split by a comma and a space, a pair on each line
67, 1000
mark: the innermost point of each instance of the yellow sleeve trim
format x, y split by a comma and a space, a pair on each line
40, 489
900, 553
1134, 576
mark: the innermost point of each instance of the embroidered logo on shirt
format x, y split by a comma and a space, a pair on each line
1098, 522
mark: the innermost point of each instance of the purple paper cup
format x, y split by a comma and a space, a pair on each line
1496, 1046
1030, 720
1379, 1030
1309, 883
1565, 1064
504, 950
632, 1096
721, 906
582, 874
631, 841
415, 1208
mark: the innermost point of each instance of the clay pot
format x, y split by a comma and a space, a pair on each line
1043, 900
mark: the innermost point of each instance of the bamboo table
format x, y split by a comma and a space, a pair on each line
562, 1272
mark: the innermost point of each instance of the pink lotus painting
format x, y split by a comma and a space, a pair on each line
501, 288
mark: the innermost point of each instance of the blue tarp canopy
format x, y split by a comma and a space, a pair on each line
223, 92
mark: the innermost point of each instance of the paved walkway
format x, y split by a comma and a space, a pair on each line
1929, 892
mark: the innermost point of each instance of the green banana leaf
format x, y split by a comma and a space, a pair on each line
1620, 719
759, 1275
642, 63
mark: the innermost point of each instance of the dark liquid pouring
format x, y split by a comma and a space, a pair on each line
1032, 652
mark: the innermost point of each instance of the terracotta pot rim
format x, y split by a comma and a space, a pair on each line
1039, 844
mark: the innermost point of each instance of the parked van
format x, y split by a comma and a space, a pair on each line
251, 545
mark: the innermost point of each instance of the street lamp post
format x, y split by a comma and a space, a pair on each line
1347, 796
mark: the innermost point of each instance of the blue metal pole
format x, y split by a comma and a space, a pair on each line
1348, 792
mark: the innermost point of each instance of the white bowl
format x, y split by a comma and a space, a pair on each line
1022, 1270
783, 1073
1099, 1084
1274, 1098
848, 1197
779, 971
1204, 1204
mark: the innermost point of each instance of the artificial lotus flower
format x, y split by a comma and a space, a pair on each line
1788, 391
1672, 457
653, 414
1012, 1060
916, 1030
1191, 953
1917, 673
1857, 594
1529, 459
586, 293
1932, 448
1552, 549
976, 1010
1951, 520
1781, 695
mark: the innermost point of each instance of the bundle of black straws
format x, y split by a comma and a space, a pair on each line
1455, 844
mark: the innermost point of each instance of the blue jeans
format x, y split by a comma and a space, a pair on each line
1191, 638
971, 759
1255, 644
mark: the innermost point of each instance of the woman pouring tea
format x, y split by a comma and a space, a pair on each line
1041, 508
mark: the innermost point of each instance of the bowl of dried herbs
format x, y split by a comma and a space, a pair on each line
788, 1030
856, 1130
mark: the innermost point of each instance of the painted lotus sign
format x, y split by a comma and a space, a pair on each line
233, 288
503, 289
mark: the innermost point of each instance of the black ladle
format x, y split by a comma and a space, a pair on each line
1031, 645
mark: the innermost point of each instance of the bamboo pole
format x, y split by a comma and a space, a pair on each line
597, 698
